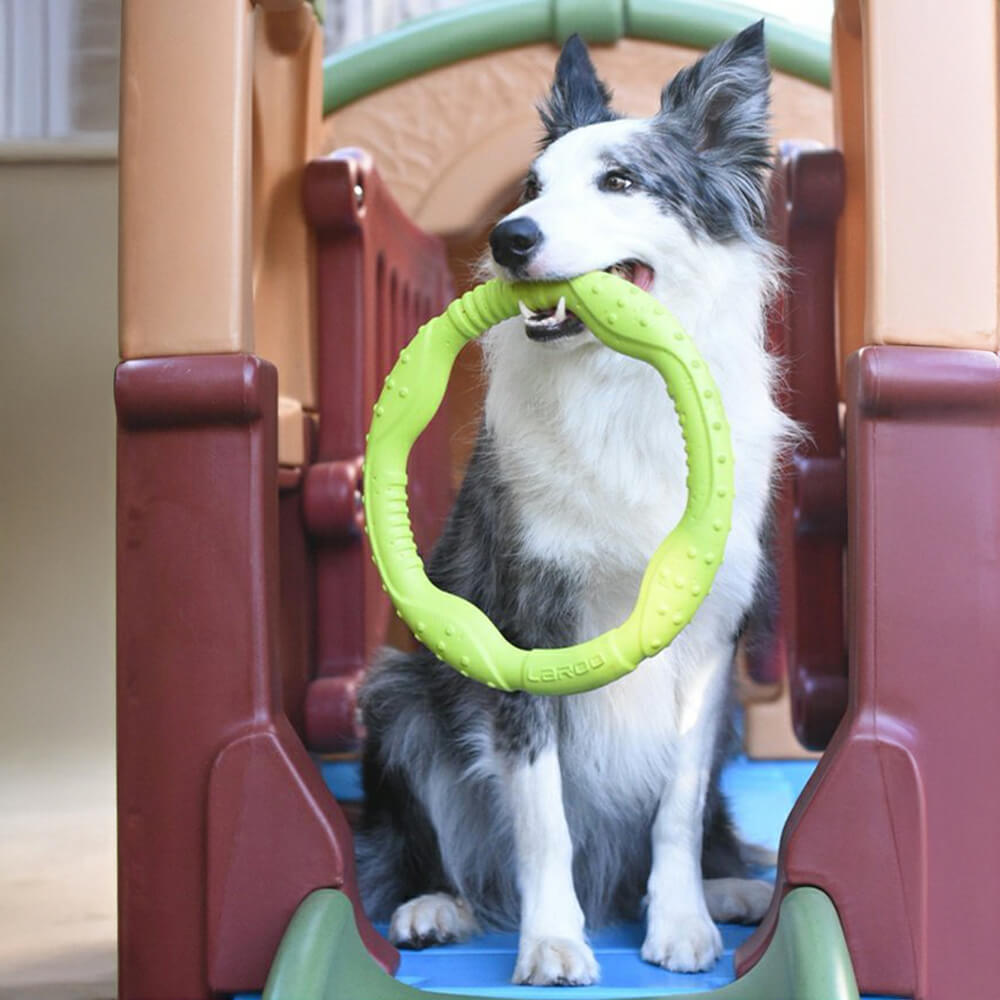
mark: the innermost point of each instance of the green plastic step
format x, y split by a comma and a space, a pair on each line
321, 957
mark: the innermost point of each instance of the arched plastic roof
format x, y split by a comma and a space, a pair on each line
492, 25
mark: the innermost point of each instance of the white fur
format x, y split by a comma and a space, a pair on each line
552, 946
434, 917
591, 449
680, 934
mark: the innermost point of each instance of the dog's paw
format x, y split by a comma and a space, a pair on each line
737, 900
554, 961
682, 942
435, 918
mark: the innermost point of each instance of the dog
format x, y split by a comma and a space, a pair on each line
554, 814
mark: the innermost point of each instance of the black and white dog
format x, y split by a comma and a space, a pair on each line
493, 809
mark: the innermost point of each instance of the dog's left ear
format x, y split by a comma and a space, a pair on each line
725, 98
578, 96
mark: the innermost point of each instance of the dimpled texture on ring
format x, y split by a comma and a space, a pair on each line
681, 570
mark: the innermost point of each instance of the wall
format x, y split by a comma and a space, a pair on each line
58, 337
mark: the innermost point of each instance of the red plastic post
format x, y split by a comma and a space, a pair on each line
379, 278
898, 822
224, 823
807, 195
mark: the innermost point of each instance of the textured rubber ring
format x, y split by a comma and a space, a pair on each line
679, 573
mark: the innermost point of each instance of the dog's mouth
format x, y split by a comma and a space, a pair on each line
554, 324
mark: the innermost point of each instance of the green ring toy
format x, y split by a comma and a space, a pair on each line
681, 570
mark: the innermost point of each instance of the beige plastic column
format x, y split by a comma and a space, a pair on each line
849, 115
287, 115
930, 113
184, 189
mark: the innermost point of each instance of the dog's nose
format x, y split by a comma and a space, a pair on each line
514, 241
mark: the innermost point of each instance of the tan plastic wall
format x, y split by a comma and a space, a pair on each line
185, 194
287, 115
928, 104
453, 143
852, 239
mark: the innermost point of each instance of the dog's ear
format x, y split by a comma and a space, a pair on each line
725, 99
578, 97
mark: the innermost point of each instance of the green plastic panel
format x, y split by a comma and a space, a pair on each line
450, 36
680, 571
321, 957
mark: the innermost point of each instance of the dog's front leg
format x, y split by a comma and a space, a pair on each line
552, 947
680, 934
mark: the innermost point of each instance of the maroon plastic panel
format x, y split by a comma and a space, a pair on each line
806, 199
224, 823
898, 824
379, 277
297, 612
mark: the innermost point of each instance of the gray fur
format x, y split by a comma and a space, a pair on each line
578, 97
437, 744
435, 739
707, 154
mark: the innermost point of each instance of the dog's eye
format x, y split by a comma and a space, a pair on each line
616, 180
531, 188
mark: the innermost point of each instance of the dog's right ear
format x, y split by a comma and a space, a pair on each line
578, 96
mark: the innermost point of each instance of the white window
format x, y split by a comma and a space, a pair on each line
58, 68
350, 21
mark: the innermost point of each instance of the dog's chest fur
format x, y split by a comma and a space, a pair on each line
589, 446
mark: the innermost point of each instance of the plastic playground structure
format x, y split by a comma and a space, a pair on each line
279, 248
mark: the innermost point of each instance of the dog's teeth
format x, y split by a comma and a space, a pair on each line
525, 311
561, 310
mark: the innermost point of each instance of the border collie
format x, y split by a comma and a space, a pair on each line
554, 814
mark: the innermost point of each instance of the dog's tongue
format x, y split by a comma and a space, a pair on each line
642, 276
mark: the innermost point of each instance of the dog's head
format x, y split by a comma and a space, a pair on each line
645, 198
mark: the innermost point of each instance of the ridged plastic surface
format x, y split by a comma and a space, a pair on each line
682, 568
